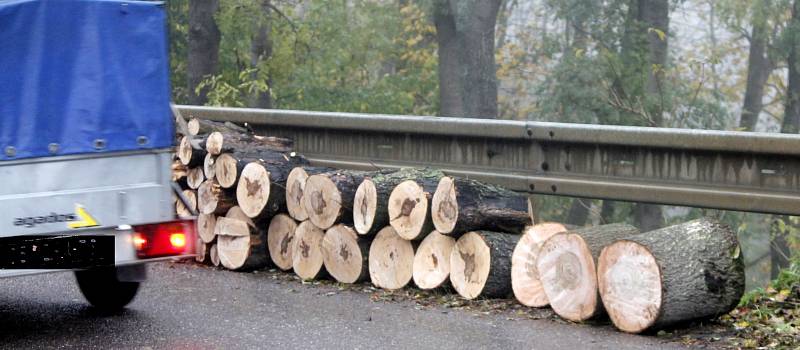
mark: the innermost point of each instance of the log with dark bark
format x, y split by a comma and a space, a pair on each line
205, 227
226, 142
190, 153
463, 205
241, 244
228, 166
391, 260
480, 264
371, 202
213, 199
524, 275
307, 252
195, 177
671, 275
280, 238
328, 197
432, 261
196, 126
181, 209
295, 187
180, 173
209, 170
345, 254
409, 205
261, 190
567, 268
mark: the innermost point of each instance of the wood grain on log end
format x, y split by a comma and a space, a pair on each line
214, 143
432, 261
295, 185
307, 255
280, 238
211, 199
444, 206
480, 264
408, 210
364, 206
344, 255
226, 170
567, 273
391, 260
524, 275
322, 201
195, 177
209, 170
253, 190
181, 210
205, 227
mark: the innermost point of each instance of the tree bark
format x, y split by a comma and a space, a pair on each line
328, 197
450, 89
678, 273
579, 211
203, 47
758, 71
371, 201
480, 264
261, 191
791, 115
213, 199
260, 50
295, 189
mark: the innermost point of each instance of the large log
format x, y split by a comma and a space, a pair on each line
371, 201
225, 142
567, 268
307, 252
391, 260
196, 126
185, 212
524, 276
295, 187
205, 227
432, 261
463, 205
241, 245
328, 197
345, 254
409, 205
213, 199
190, 152
480, 264
689, 271
280, 238
195, 177
261, 191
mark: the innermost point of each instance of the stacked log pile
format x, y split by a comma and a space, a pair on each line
257, 203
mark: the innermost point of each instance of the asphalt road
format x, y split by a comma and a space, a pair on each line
185, 306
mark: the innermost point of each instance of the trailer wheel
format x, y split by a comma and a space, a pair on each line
103, 289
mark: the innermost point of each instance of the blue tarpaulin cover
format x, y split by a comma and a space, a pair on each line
83, 76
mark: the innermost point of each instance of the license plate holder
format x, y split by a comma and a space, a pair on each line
56, 251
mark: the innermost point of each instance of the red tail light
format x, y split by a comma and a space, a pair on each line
164, 239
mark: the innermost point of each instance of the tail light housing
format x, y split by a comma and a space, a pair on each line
164, 239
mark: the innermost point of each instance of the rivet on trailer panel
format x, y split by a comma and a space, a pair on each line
142, 140
99, 144
52, 148
11, 151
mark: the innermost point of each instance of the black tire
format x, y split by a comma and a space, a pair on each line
104, 290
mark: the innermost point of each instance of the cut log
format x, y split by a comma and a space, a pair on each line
241, 245
227, 169
213, 254
567, 268
463, 205
205, 227
209, 169
480, 264
345, 254
212, 199
181, 209
683, 272
193, 126
524, 276
307, 252
195, 178
371, 201
328, 197
391, 260
295, 186
255, 192
280, 238
409, 205
229, 166
197, 126
190, 153
203, 250
179, 173
432, 261
225, 142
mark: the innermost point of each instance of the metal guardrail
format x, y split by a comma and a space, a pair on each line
755, 172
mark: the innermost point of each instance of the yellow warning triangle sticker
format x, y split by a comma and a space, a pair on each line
86, 219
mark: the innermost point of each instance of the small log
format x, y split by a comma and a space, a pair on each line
409, 205
371, 201
280, 237
295, 187
242, 245
432, 261
224, 142
328, 197
181, 210
195, 177
196, 126
227, 169
255, 192
212, 199
203, 251
567, 269
307, 252
463, 205
213, 254
209, 169
190, 153
345, 254
684, 272
524, 275
205, 227
391, 260
480, 264
179, 173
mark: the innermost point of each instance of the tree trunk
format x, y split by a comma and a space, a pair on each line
345, 254
791, 115
678, 273
295, 187
409, 205
261, 50
462, 205
648, 217
391, 260
371, 201
242, 245
524, 276
212, 199
280, 237
205, 227
203, 47
307, 252
758, 71
431, 268
328, 197
450, 90
579, 211
480, 264
566, 266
